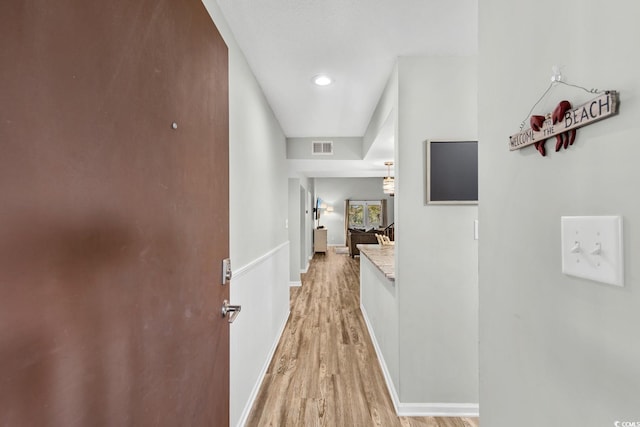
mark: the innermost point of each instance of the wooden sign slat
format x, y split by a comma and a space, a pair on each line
602, 107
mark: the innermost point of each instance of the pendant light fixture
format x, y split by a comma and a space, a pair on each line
388, 183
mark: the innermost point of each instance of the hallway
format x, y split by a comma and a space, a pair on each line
325, 371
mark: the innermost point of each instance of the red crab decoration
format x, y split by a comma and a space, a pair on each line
564, 139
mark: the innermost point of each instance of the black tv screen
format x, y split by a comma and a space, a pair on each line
452, 172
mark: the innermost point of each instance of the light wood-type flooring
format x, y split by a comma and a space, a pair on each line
325, 371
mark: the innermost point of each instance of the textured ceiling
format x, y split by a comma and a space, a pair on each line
287, 42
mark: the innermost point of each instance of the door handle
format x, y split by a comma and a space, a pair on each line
233, 309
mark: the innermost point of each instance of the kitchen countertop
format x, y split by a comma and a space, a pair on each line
382, 257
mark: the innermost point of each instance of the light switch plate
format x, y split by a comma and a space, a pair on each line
592, 248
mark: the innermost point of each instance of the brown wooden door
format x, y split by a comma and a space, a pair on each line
113, 224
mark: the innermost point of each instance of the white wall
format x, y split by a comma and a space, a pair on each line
334, 192
380, 308
258, 237
262, 288
386, 105
305, 219
258, 169
294, 231
556, 350
300, 225
310, 223
436, 254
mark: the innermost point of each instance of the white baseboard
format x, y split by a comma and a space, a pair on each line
263, 372
439, 410
295, 284
417, 409
306, 268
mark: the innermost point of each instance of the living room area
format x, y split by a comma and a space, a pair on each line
353, 211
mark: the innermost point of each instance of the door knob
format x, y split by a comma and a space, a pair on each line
233, 309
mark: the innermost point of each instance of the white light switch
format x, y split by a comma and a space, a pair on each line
592, 248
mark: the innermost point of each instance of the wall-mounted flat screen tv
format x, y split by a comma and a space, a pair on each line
452, 172
317, 208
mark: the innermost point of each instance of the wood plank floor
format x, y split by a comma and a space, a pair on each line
325, 371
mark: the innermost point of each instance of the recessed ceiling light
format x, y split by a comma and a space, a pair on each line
322, 80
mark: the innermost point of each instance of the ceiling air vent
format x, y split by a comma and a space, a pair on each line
321, 147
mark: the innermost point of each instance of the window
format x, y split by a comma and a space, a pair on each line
365, 215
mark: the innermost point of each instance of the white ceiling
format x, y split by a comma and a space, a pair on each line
356, 42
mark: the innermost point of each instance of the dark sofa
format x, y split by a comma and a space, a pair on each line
359, 237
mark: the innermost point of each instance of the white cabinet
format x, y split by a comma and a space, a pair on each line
320, 240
